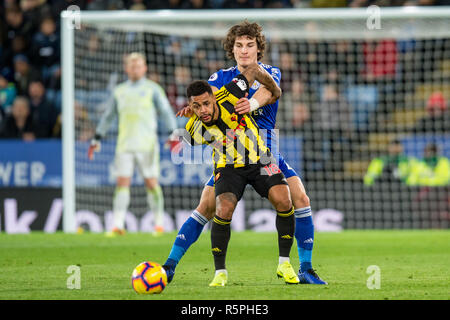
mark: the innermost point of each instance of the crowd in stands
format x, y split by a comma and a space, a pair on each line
30, 70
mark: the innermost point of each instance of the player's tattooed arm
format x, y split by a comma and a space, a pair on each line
263, 96
256, 72
269, 84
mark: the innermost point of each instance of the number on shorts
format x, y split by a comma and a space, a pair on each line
272, 169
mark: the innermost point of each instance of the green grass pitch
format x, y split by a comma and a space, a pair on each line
413, 265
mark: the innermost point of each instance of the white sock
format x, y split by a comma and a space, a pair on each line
120, 206
197, 216
221, 270
281, 260
155, 201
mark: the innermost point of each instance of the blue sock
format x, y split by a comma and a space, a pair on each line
304, 233
188, 234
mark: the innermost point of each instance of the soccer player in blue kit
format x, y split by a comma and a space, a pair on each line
245, 43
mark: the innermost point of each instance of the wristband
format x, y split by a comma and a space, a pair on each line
254, 104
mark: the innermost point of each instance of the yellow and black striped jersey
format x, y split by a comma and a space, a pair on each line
235, 138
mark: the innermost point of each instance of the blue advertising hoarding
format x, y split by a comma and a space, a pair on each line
30, 164
39, 163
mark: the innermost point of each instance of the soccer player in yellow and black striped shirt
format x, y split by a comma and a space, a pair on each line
240, 158
235, 138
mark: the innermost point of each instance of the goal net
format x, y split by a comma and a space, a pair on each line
363, 119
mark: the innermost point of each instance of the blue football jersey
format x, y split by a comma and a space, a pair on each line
265, 116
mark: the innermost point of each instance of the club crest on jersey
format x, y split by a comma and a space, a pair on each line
233, 117
255, 85
213, 77
240, 83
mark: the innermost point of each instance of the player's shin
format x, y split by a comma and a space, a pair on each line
188, 234
285, 225
220, 236
155, 200
304, 234
120, 206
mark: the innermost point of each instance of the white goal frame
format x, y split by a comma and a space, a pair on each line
70, 20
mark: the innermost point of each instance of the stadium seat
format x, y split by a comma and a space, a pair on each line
423, 91
379, 141
355, 169
363, 100
406, 118
445, 67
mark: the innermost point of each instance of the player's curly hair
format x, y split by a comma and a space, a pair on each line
245, 28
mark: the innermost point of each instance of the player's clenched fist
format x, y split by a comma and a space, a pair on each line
242, 106
95, 146
245, 105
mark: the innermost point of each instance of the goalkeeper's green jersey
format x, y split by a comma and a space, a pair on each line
137, 105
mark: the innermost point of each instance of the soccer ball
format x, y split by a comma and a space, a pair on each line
149, 277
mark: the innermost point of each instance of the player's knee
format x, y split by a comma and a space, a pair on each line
226, 203
123, 182
283, 205
207, 205
225, 212
151, 184
206, 210
301, 201
209, 214
280, 198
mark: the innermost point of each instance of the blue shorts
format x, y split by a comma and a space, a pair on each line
287, 170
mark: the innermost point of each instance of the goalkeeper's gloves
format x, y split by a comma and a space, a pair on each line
95, 146
173, 142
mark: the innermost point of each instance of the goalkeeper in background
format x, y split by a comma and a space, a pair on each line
136, 103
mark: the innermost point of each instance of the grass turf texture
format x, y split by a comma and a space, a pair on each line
413, 264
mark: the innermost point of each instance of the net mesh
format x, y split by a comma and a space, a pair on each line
358, 106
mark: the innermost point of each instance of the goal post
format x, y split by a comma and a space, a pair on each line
183, 45
68, 128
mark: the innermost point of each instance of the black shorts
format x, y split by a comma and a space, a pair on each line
260, 177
